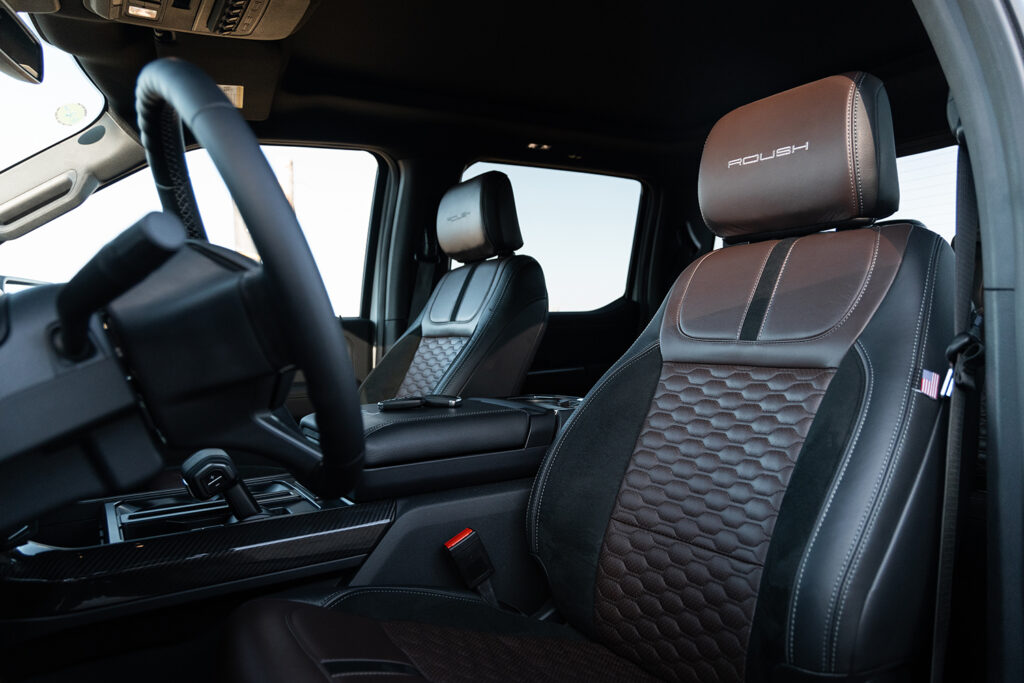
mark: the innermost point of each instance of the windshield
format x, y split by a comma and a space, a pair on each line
65, 103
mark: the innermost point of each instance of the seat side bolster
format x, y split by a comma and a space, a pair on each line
856, 526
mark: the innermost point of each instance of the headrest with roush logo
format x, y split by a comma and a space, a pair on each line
819, 156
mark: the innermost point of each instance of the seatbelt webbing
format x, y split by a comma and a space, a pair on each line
426, 269
966, 242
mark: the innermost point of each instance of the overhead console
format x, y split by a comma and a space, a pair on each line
251, 19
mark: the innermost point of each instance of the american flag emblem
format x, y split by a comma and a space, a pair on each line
930, 384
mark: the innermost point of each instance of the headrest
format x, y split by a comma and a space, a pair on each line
477, 219
818, 156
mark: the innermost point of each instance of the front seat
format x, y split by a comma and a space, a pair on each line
752, 492
479, 330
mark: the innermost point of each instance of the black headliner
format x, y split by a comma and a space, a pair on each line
620, 79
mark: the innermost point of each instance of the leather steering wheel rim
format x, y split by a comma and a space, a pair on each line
171, 92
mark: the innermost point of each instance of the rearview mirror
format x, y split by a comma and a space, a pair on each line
21, 55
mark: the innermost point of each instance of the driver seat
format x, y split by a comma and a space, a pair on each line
752, 492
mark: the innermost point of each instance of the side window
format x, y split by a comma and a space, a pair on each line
331, 190
927, 191
579, 227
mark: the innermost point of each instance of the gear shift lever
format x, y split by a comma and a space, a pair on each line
211, 471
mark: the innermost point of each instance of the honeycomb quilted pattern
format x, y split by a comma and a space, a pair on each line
681, 563
454, 655
433, 357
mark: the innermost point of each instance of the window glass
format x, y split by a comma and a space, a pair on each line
927, 191
65, 103
331, 190
579, 227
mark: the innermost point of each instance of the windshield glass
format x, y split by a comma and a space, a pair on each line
65, 103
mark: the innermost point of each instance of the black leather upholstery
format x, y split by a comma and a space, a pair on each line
477, 425
478, 332
752, 492
477, 219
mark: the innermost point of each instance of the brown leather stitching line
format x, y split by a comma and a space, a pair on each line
856, 147
849, 143
686, 288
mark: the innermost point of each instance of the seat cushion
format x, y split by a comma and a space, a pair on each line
409, 634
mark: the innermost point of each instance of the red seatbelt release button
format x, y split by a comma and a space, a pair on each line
470, 556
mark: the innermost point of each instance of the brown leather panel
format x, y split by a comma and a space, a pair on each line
827, 291
680, 567
717, 293
433, 358
821, 281
821, 154
455, 655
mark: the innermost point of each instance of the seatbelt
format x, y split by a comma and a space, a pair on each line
427, 259
964, 352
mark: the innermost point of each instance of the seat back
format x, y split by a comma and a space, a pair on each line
480, 328
752, 491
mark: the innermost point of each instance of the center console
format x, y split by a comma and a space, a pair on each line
140, 550
481, 440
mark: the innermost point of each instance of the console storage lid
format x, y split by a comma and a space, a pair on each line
430, 448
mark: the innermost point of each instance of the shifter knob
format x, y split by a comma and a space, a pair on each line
211, 471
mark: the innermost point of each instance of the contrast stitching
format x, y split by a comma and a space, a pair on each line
849, 143
349, 593
550, 462
902, 430
856, 147
876, 487
686, 288
818, 337
753, 290
775, 288
848, 452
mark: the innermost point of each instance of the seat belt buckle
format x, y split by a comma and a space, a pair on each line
470, 557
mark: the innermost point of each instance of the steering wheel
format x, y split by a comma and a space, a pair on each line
170, 92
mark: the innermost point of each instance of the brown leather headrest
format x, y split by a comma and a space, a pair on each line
815, 157
477, 219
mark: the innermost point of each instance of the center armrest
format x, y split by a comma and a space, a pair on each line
477, 425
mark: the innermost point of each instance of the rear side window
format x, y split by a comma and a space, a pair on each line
579, 227
927, 191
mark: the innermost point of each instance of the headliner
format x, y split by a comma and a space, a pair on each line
646, 78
